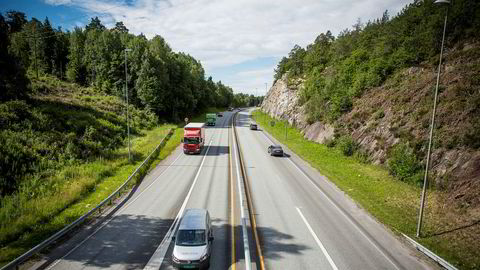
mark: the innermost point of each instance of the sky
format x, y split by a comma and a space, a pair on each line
238, 42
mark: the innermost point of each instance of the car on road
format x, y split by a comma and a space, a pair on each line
230, 109
220, 114
253, 126
193, 240
275, 150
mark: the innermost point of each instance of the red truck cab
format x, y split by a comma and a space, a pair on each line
193, 138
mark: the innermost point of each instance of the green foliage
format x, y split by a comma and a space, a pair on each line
346, 145
245, 100
403, 163
171, 85
379, 114
41, 135
338, 70
13, 82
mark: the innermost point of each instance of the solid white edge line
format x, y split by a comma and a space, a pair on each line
332, 264
246, 246
110, 219
159, 255
336, 207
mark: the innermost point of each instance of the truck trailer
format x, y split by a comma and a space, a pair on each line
211, 119
193, 138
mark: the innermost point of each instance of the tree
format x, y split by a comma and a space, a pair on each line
95, 24
48, 43
76, 70
120, 27
15, 20
13, 81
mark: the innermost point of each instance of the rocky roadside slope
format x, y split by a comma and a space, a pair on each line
400, 110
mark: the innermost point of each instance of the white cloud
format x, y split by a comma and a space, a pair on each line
222, 33
58, 2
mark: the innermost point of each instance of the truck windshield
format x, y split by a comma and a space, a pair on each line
190, 140
191, 238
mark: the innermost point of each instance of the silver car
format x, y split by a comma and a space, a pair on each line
193, 240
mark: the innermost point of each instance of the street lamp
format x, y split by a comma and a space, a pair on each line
425, 179
126, 94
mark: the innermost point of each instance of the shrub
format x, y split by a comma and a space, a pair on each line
402, 162
379, 114
347, 145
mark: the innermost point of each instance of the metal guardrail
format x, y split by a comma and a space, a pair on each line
22, 258
430, 254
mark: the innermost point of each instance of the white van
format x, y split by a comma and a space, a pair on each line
193, 240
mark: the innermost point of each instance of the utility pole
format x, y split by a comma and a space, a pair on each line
432, 125
126, 94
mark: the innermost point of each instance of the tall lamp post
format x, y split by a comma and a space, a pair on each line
432, 125
126, 95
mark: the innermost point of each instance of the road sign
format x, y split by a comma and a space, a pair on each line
186, 120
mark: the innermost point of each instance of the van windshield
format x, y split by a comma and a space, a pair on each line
190, 140
191, 238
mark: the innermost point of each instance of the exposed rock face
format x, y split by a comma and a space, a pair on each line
281, 102
400, 110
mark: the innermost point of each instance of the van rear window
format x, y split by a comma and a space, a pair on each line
191, 238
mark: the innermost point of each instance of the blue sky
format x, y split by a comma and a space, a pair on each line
239, 42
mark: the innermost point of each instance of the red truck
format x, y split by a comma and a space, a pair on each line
193, 138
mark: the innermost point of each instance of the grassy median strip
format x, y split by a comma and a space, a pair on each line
391, 201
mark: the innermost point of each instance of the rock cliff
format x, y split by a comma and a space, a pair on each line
400, 110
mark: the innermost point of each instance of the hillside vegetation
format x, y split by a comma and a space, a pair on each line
63, 120
335, 74
368, 94
40, 133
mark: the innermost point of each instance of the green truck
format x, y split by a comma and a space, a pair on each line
211, 119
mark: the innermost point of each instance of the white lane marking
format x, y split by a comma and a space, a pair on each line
159, 255
324, 250
246, 246
340, 210
110, 219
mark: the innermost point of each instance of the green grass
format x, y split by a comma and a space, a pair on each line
392, 202
77, 189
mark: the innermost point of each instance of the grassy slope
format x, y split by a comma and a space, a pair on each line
73, 188
392, 202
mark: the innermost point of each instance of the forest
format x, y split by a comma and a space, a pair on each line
336, 70
159, 79
39, 135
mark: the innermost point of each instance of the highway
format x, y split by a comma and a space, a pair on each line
302, 220
305, 222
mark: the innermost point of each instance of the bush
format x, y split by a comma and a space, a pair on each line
402, 162
379, 114
347, 145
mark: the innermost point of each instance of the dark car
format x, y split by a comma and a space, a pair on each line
230, 109
275, 150
220, 114
253, 126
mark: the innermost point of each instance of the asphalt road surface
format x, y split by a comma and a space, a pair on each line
303, 221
